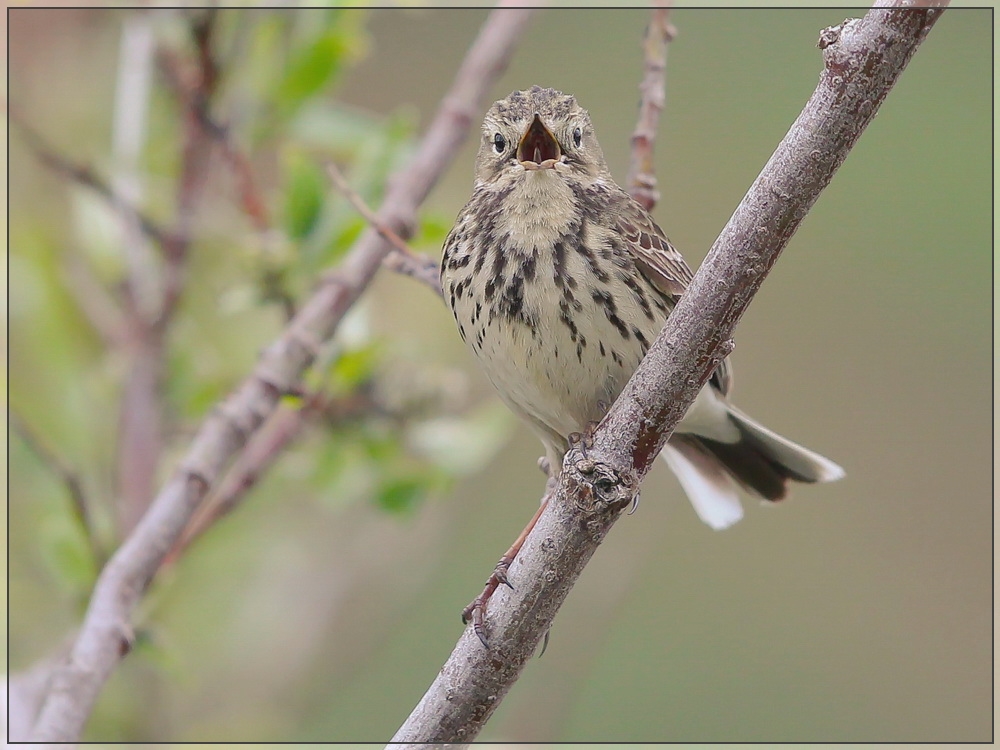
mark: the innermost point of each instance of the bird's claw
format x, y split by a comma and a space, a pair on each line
476, 611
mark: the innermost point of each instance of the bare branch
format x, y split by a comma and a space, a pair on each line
641, 176
140, 433
69, 478
26, 690
862, 60
401, 259
284, 427
104, 634
194, 92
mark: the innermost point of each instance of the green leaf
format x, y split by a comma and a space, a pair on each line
432, 230
355, 367
305, 193
313, 65
402, 494
66, 554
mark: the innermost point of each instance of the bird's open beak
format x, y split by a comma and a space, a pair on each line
538, 148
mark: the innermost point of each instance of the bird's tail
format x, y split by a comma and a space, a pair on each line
758, 460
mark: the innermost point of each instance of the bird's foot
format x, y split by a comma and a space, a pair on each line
476, 611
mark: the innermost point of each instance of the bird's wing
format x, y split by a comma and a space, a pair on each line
662, 265
654, 256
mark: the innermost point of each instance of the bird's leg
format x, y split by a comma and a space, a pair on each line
585, 439
476, 610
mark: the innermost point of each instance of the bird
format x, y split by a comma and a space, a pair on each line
559, 282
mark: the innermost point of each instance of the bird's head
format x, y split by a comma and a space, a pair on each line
539, 131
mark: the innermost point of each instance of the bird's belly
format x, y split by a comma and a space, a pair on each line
559, 371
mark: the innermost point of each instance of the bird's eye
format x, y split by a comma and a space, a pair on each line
577, 136
499, 143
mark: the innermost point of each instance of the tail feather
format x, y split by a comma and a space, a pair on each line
791, 459
712, 491
760, 461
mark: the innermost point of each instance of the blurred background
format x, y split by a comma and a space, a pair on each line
324, 605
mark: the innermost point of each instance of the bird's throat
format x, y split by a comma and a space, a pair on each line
539, 209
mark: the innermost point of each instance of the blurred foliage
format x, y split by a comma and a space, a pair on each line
276, 103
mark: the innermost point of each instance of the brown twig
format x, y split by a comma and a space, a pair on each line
140, 433
862, 61
402, 259
284, 427
267, 445
85, 176
103, 637
641, 177
68, 477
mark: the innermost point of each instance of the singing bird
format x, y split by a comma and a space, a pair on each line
559, 282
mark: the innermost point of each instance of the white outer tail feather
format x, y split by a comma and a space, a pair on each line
712, 492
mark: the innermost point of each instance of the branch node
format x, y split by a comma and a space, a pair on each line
829, 35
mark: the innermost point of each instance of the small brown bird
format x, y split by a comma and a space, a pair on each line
559, 282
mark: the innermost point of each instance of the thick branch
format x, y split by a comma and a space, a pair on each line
104, 635
862, 59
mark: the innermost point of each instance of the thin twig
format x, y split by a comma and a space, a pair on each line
402, 259
70, 480
86, 176
94, 300
267, 445
104, 633
251, 198
861, 63
641, 177
140, 433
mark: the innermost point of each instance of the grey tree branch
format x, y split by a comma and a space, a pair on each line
641, 176
105, 634
862, 60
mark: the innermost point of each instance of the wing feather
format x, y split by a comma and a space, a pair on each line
662, 265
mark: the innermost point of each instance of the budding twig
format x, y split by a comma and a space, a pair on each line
402, 259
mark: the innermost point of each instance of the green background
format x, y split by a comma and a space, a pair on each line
859, 611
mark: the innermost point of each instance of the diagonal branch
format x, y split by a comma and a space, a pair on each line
862, 60
104, 635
